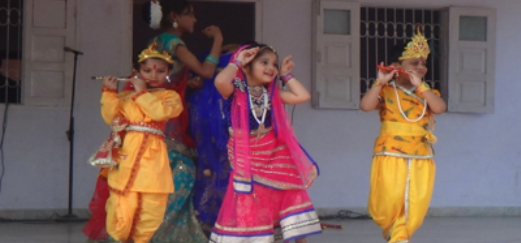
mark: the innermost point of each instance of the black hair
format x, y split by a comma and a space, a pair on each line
167, 7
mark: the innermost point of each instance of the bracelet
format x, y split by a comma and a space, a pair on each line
377, 82
212, 60
286, 78
109, 90
423, 87
236, 62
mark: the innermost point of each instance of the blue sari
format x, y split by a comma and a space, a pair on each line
209, 130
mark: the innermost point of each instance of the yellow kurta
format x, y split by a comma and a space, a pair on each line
140, 183
143, 164
402, 172
401, 144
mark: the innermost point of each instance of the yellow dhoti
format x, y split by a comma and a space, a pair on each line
402, 171
400, 195
135, 216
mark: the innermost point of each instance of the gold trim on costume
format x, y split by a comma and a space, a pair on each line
384, 153
276, 172
295, 207
254, 132
275, 166
277, 149
300, 225
243, 229
145, 130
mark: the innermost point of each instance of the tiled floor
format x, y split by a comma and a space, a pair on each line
434, 230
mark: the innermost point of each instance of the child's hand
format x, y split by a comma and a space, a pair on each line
384, 76
110, 82
138, 83
415, 77
247, 55
287, 66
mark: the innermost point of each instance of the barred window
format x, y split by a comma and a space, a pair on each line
381, 29
349, 40
11, 17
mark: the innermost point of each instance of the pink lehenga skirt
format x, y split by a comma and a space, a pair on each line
277, 209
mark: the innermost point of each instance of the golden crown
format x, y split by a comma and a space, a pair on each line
152, 52
418, 47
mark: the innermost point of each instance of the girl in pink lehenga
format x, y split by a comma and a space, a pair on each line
266, 199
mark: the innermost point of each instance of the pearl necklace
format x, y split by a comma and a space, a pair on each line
264, 108
403, 113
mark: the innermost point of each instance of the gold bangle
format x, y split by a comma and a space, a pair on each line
377, 82
423, 87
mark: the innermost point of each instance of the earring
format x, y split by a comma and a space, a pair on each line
168, 79
175, 24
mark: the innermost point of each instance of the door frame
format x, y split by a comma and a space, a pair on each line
258, 14
127, 20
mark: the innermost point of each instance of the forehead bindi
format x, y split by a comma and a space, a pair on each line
154, 64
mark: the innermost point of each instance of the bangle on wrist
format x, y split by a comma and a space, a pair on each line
286, 78
236, 62
212, 60
423, 87
376, 83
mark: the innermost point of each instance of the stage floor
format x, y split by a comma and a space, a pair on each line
434, 230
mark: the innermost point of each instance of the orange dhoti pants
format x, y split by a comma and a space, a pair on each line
401, 190
135, 215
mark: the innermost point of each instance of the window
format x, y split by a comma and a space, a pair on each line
382, 29
349, 41
11, 51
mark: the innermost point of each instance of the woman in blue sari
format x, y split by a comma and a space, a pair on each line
209, 130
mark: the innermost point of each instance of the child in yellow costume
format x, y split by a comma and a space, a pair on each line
402, 172
135, 156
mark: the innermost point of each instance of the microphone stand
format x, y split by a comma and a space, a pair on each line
70, 135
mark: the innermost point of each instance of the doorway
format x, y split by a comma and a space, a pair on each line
239, 23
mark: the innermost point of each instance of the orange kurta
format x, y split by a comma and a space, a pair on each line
143, 164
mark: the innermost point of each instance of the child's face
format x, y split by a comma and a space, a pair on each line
265, 68
419, 65
154, 72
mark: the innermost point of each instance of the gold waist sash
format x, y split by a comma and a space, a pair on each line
405, 129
